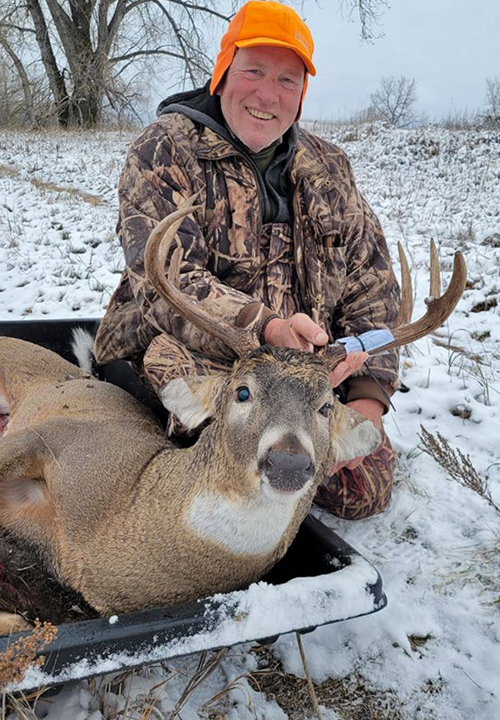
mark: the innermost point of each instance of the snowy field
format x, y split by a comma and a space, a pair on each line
434, 653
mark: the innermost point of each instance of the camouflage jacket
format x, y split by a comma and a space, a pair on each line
343, 276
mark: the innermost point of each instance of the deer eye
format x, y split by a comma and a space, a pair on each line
243, 394
325, 409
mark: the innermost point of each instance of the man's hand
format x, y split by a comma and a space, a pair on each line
297, 331
372, 410
302, 333
352, 363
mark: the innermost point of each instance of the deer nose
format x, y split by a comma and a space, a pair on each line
287, 471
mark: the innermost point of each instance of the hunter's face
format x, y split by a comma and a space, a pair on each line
261, 93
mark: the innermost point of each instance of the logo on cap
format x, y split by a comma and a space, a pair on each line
302, 40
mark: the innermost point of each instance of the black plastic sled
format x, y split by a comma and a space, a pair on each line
320, 580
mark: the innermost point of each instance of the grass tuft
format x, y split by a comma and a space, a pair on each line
19, 657
6, 171
456, 464
350, 697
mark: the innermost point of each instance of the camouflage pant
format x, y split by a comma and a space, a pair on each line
362, 492
352, 494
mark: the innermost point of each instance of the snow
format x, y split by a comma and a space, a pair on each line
437, 645
261, 611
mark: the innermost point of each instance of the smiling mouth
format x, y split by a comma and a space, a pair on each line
259, 114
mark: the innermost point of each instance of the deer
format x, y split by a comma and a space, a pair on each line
115, 514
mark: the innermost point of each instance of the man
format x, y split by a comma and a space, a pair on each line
282, 225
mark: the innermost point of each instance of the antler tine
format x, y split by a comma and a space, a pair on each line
435, 280
438, 310
241, 340
174, 269
406, 305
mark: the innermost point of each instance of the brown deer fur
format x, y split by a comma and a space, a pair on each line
127, 519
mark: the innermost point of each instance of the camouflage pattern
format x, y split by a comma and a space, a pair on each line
364, 491
332, 263
167, 358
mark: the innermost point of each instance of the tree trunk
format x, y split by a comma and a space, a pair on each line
54, 75
88, 90
28, 95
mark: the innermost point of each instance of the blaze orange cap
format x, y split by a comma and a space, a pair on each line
260, 22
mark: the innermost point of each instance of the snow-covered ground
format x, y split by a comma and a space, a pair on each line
434, 653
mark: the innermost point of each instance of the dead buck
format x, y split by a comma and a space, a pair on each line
93, 491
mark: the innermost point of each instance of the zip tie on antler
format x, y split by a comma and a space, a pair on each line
367, 341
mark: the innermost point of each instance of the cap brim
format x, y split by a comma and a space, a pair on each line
255, 42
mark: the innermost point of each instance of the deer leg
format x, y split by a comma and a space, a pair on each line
23, 495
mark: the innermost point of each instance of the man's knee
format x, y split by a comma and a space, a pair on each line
362, 492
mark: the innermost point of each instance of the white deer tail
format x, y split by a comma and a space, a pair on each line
81, 345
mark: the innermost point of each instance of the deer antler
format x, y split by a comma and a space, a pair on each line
439, 308
241, 340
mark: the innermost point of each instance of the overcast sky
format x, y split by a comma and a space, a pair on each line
448, 46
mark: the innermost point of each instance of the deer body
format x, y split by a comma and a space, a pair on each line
128, 519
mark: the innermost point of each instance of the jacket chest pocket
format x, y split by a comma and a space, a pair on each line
330, 246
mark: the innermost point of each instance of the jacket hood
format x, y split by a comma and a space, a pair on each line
198, 105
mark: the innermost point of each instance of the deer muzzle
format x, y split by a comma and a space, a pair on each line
287, 466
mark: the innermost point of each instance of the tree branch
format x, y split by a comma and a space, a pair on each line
142, 53
54, 75
202, 8
180, 39
23, 76
369, 11
19, 28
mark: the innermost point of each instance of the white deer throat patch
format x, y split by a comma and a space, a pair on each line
254, 527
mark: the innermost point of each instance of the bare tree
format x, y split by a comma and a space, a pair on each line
369, 12
394, 100
90, 49
493, 99
95, 55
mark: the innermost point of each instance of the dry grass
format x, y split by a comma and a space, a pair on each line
52, 187
474, 357
20, 655
22, 706
116, 704
8, 172
456, 464
349, 697
207, 664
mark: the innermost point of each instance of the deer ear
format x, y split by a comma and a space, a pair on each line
192, 399
352, 435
